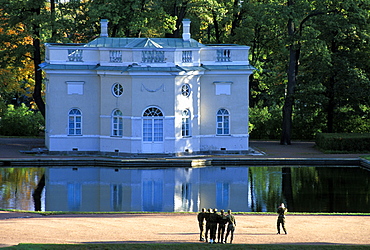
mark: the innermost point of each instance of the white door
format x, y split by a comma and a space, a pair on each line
152, 131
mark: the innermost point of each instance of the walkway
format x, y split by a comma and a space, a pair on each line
11, 147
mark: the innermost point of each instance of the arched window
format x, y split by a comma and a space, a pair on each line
223, 122
153, 111
185, 123
74, 122
153, 125
117, 123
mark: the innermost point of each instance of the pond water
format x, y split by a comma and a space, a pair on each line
239, 188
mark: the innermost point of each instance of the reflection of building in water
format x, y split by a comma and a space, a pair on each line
167, 189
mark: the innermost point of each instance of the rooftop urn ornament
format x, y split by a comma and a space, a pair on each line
186, 29
104, 28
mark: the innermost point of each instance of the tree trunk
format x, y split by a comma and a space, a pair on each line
286, 133
294, 51
37, 92
289, 97
52, 17
330, 94
331, 106
217, 30
179, 12
236, 18
37, 96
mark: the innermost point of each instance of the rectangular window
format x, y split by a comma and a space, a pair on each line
226, 125
219, 125
153, 56
185, 130
78, 125
115, 56
158, 129
147, 130
117, 126
223, 55
71, 125
75, 55
187, 56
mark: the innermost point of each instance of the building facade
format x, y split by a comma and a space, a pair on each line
146, 95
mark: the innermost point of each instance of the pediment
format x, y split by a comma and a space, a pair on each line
144, 43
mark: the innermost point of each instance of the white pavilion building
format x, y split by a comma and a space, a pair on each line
146, 95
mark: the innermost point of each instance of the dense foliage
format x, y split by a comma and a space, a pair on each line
20, 121
311, 57
343, 142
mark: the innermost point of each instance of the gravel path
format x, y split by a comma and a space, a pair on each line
18, 228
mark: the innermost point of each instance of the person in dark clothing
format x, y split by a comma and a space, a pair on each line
231, 226
202, 224
208, 223
213, 218
222, 221
282, 210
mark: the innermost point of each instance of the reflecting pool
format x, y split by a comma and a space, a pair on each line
240, 188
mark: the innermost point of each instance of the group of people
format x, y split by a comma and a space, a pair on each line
212, 223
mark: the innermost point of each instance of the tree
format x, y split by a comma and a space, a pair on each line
346, 40
294, 51
295, 36
16, 86
277, 56
132, 18
21, 22
20, 121
335, 69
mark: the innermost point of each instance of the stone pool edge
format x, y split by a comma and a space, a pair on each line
182, 162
